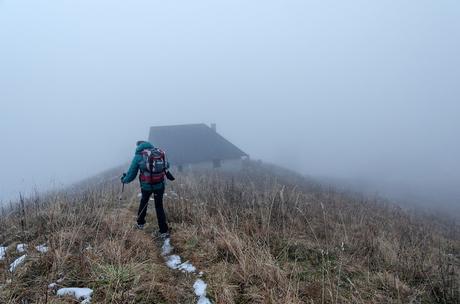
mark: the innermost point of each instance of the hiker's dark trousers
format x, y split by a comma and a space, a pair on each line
158, 198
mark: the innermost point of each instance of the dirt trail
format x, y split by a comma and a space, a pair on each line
186, 284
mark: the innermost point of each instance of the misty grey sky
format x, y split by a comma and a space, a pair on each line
349, 89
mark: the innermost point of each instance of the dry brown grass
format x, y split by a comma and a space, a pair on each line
264, 235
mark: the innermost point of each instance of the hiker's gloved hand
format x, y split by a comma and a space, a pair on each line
123, 178
170, 176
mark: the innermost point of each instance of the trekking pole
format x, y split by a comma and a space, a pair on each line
120, 197
122, 189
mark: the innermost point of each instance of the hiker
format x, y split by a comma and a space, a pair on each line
153, 167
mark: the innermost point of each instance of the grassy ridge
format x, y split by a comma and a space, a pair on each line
264, 235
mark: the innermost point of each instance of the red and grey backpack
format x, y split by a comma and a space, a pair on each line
152, 166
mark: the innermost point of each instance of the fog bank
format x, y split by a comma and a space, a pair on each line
353, 90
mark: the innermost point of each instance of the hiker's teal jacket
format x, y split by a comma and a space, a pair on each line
134, 169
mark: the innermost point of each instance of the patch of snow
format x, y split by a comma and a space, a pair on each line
173, 261
17, 262
42, 248
187, 267
200, 291
166, 248
171, 194
203, 300
60, 280
81, 294
200, 288
21, 248
52, 286
2, 252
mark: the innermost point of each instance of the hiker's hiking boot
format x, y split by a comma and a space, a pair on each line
139, 226
161, 236
164, 236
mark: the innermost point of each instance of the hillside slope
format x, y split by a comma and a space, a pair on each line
263, 235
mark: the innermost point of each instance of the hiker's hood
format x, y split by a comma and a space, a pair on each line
143, 146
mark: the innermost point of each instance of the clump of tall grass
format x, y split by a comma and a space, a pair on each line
271, 236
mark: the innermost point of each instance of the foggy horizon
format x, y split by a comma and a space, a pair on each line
359, 92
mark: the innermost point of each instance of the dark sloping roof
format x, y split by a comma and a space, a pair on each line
194, 143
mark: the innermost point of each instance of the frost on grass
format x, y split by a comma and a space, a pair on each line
42, 248
81, 294
200, 291
2, 252
21, 248
17, 262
